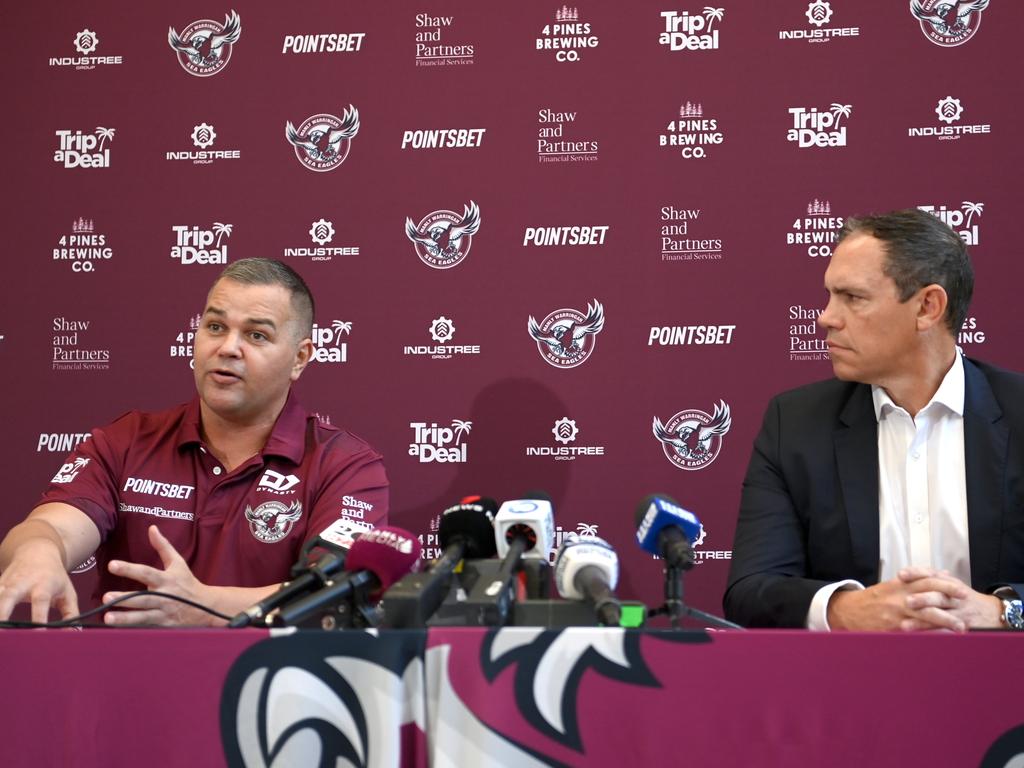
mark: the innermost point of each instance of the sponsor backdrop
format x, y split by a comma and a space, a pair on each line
574, 247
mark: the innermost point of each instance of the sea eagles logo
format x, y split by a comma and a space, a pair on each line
567, 337
443, 238
948, 23
204, 47
691, 439
271, 521
322, 142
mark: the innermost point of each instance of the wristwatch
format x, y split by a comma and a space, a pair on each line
1013, 614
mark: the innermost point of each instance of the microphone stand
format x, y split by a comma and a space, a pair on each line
674, 607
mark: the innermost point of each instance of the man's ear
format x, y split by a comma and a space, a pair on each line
302, 357
932, 305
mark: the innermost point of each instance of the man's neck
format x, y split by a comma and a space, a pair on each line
914, 391
233, 442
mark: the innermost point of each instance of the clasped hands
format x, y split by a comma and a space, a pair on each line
918, 599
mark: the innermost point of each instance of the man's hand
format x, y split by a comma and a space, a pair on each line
176, 578
937, 592
918, 599
37, 574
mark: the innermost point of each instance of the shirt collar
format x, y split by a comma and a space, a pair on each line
949, 394
287, 439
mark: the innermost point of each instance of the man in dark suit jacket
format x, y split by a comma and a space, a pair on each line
812, 516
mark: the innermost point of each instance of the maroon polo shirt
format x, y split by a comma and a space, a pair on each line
243, 528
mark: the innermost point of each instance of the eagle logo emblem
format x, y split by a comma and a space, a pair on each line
272, 521
322, 142
692, 439
567, 337
204, 46
443, 238
948, 23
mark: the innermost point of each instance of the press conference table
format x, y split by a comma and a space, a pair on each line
517, 697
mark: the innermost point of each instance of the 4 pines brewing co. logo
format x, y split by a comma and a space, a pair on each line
204, 46
443, 238
322, 141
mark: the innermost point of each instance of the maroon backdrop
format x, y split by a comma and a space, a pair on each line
687, 165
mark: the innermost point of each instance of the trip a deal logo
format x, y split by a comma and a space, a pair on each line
688, 31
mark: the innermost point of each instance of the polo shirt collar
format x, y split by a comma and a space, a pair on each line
287, 439
949, 394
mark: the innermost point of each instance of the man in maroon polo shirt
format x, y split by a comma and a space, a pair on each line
213, 499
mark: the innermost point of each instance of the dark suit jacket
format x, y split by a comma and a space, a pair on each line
809, 510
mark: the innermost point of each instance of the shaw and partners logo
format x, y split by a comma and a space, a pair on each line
69, 350
805, 339
812, 127
442, 239
555, 146
687, 31
948, 24
680, 241
195, 245
432, 48
566, 338
692, 439
204, 47
76, 149
444, 445
85, 42
322, 142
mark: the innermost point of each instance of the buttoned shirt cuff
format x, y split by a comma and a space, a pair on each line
817, 614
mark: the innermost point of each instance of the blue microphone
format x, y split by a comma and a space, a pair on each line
667, 530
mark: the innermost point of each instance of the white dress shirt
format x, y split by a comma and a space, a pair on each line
922, 489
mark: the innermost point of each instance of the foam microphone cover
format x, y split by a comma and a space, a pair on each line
656, 513
579, 552
530, 517
472, 522
387, 552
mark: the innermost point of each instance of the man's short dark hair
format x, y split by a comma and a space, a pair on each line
920, 250
274, 272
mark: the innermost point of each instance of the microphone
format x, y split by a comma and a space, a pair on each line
525, 528
309, 577
466, 531
667, 530
587, 568
377, 560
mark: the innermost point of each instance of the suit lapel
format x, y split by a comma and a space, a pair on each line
986, 437
856, 446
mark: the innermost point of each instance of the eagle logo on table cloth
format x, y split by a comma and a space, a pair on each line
692, 439
443, 238
204, 46
567, 337
272, 521
322, 142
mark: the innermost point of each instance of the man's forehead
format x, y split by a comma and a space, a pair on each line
231, 297
859, 258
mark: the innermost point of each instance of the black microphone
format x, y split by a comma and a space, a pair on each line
466, 531
311, 577
377, 560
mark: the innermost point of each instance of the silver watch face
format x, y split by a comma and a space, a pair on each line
1013, 613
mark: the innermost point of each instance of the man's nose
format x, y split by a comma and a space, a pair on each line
231, 344
828, 317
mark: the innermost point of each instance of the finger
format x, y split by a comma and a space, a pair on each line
8, 599
913, 573
68, 604
141, 601
168, 554
919, 600
946, 585
940, 618
135, 618
916, 625
41, 607
151, 577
